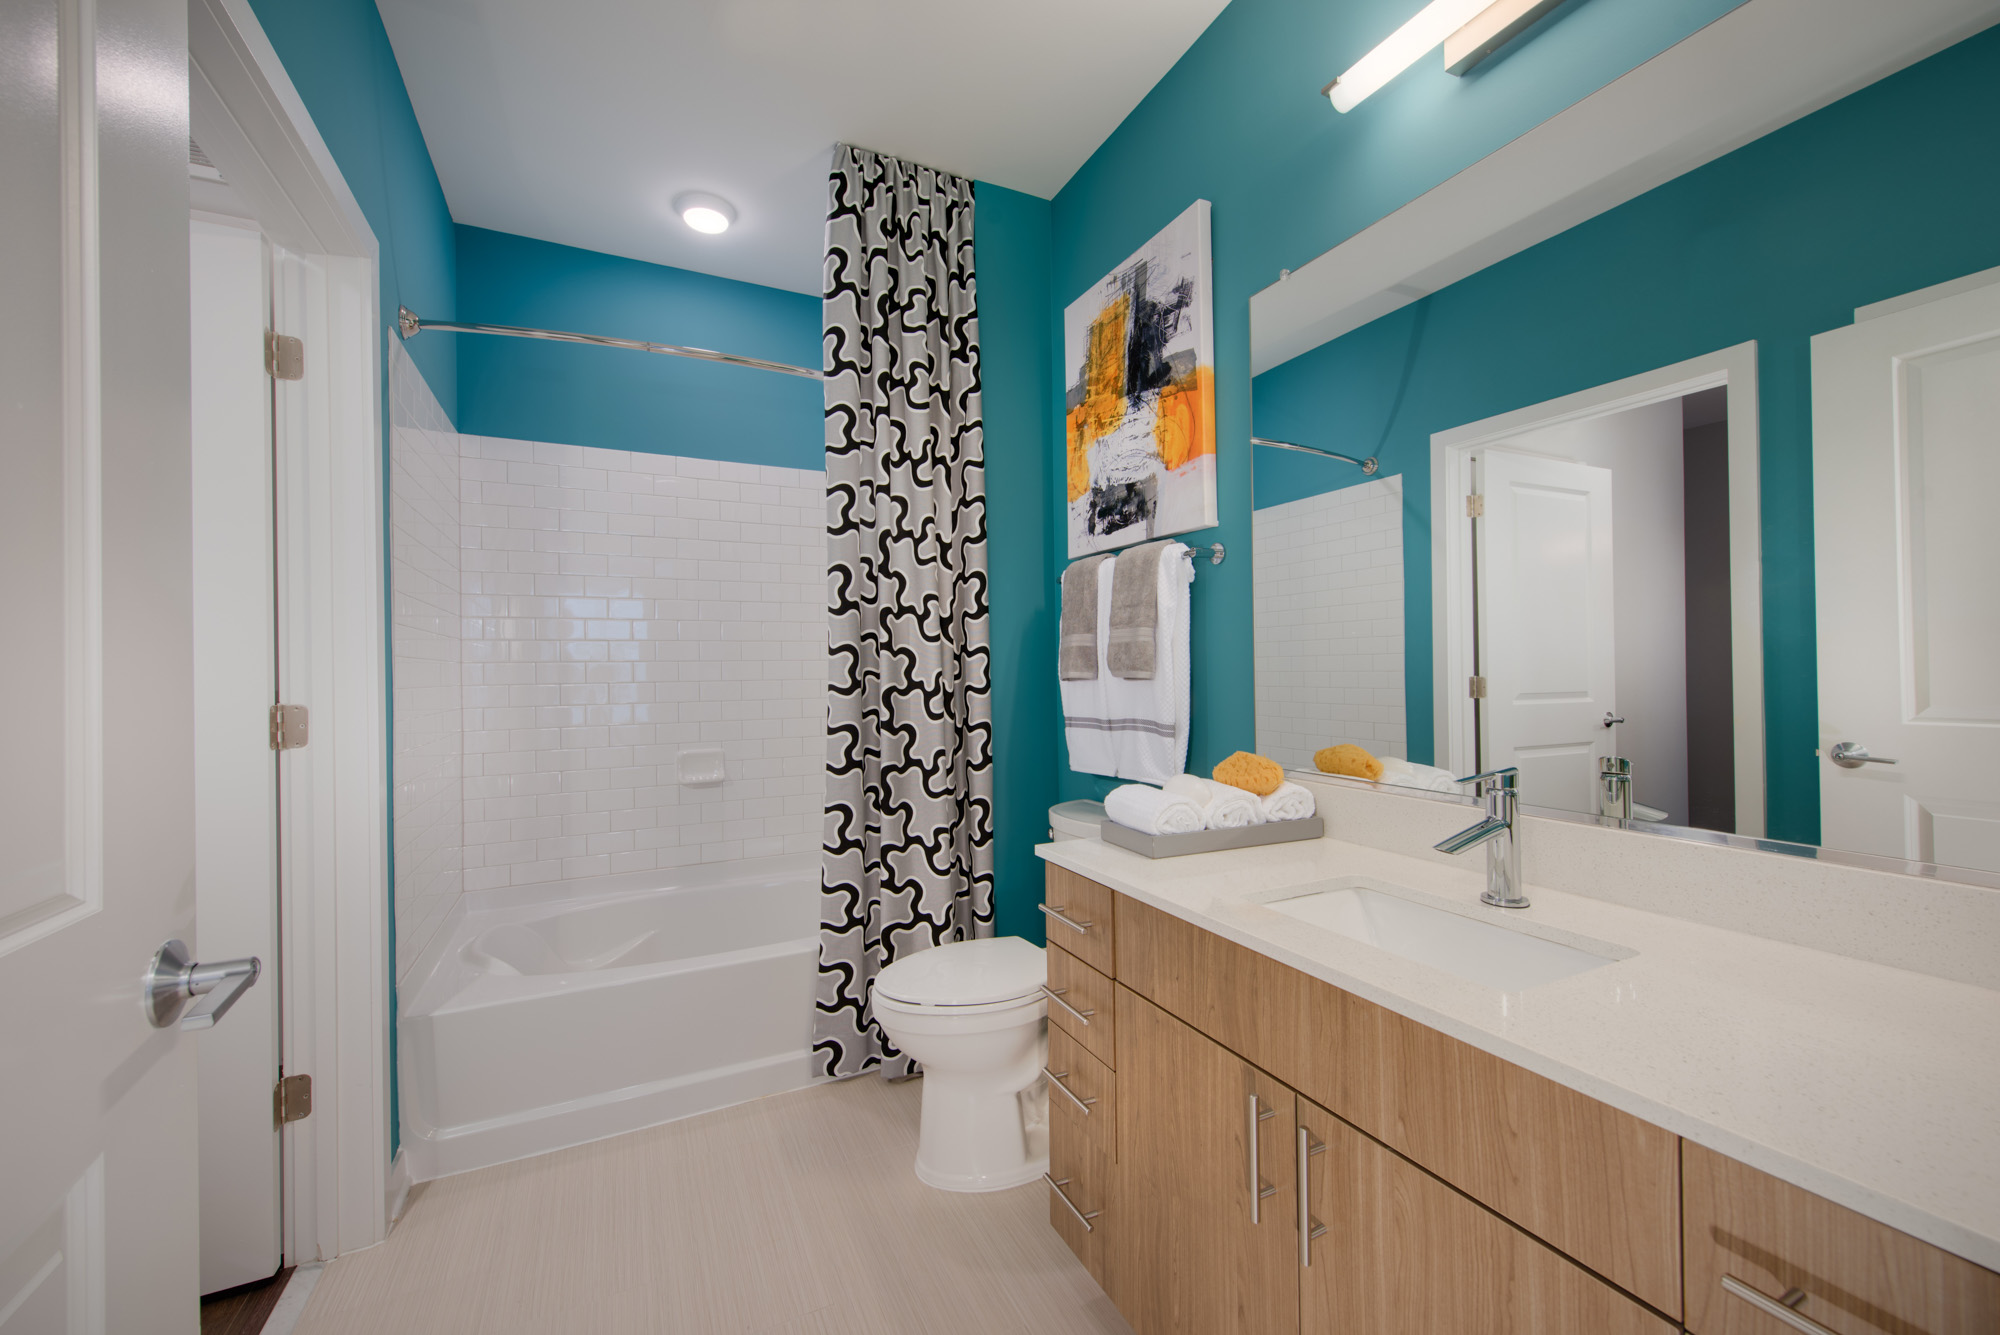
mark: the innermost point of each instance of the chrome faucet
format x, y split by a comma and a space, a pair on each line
1614, 787
1501, 789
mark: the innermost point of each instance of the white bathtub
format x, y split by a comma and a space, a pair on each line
550, 1016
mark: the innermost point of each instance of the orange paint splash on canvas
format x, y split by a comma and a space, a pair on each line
1184, 427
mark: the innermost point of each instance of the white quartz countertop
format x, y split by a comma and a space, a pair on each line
1874, 1087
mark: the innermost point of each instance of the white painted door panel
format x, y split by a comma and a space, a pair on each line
236, 797
97, 1108
1906, 463
1547, 633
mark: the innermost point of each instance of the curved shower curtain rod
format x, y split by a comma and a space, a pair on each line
1367, 466
409, 324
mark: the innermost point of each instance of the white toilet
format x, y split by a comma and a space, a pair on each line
972, 1013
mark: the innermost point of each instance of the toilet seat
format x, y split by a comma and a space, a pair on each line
993, 973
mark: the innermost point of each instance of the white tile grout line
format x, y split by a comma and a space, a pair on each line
292, 1302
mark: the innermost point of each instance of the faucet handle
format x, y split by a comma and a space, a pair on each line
1505, 779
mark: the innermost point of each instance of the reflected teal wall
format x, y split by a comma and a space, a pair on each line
1011, 256
571, 394
1889, 190
1239, 121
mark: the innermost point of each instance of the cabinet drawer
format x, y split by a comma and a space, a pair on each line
1596, 1183
1081, 1144
1081, 1003
1403, 1254
1078, 913
1859, 1277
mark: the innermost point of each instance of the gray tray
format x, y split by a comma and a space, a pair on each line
1210, 841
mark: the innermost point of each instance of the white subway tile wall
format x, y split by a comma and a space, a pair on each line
426, 744
620, 608
1327, 584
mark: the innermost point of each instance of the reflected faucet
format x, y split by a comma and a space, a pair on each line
1501, 789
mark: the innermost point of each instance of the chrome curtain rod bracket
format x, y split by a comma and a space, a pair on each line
1367, 466
409, 324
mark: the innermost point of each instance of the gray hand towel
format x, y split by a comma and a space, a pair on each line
1076, 652
1135, 609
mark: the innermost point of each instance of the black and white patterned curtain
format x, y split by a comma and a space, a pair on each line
908, 856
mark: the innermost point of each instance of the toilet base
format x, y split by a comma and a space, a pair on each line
975, 1138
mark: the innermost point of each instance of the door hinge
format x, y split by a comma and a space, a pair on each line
1475, 507
284, 356
288, 727
1476, 687
294, 1098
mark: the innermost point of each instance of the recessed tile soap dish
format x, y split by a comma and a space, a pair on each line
1210, 841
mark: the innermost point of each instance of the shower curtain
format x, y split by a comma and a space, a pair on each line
908, 850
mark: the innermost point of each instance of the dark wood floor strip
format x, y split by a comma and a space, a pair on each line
244, 1309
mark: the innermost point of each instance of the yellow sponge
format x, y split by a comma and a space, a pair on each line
1347, 758
1252, 773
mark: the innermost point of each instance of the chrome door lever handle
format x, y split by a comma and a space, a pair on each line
174, 980
1853, 755
1611, 719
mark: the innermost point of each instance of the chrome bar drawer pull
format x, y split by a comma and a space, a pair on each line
1773, 1308
1056, 1079
1310, 1229
1071, 923
1063, 1196
1259, 1188
1056, 994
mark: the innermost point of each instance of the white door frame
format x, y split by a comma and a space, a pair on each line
249, 119
1451, 551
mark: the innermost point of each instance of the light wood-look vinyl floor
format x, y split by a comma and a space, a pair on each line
792, 1215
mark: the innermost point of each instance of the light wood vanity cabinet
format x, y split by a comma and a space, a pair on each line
1843, 1271
1444, 1192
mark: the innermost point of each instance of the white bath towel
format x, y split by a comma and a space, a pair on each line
1223, 806
1135, 729
1403, 774
1141, 807
1289, 801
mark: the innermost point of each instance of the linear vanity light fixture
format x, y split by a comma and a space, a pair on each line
1469, 31
1367, 466
409, 325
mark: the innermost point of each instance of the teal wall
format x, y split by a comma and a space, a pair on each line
613, 399
1866, 199
1016, 337
1239, 121
338, 56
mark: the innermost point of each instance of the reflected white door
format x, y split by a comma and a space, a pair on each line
1547, 630
97, 1107
236, 772
1906, 465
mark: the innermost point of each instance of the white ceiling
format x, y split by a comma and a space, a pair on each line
579, 121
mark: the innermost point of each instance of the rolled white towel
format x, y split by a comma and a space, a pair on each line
1140, 806
1223, 806
1289, 801
1403, 774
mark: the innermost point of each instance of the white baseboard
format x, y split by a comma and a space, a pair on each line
398, 1188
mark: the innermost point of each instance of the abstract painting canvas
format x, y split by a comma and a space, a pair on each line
1139, 366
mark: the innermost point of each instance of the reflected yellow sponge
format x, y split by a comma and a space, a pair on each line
1349, 759
1252, 773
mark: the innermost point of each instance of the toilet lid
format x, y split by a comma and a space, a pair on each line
1078, 819
966, 973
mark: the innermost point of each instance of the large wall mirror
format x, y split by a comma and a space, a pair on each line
1600, 485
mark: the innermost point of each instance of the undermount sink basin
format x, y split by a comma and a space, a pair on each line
1480, 952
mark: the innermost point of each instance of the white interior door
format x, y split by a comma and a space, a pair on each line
97, 1106
1906, 462
1546, 623
236, 797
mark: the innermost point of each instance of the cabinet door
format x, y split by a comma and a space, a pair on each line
1206, 1238
1404, 1254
